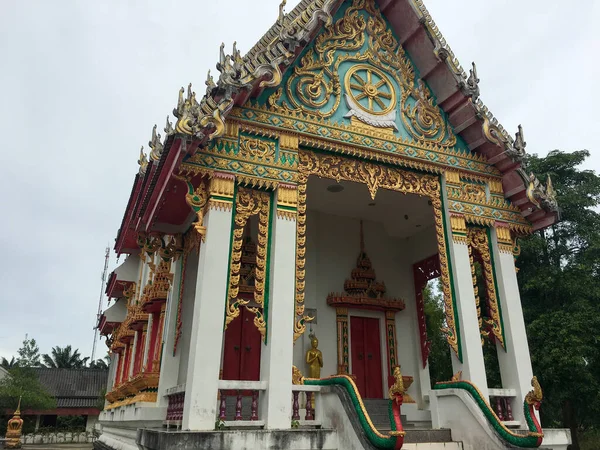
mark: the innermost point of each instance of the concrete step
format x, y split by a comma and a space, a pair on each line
420, 432
434, 446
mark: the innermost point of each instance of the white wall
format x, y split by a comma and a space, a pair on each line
187, 314
333, 245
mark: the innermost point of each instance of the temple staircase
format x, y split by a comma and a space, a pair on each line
419, 436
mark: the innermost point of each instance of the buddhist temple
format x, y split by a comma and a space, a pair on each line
279, 235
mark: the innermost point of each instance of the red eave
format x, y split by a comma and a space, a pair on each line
110, 285
120, 245
172, 157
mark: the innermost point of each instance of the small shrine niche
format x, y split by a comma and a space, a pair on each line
248, 261
362, 290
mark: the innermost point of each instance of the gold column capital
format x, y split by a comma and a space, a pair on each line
452, 177
458, 225
289, 141
505, 240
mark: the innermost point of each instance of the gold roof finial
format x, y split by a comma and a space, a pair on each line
169, 127
281, 13
143, 161
155, 144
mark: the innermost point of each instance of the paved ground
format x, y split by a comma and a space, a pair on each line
57, 447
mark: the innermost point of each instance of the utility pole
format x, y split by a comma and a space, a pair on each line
106, 258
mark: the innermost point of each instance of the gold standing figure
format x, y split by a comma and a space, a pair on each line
314, 358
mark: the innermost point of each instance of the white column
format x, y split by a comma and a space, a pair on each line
169, 368
200, 406
515, 362
132, 357
473, 365
277, 356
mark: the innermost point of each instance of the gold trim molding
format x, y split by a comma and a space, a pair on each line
377, 176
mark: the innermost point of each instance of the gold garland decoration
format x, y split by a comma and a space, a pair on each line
484, 333
301, 319
478, 240
248, 203
376, 176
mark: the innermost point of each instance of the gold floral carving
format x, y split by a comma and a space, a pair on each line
505, 240
375, 177
478, 241
301, 319
314, 87
248, 203
221, 187
197, 199
483, 332
287, 201
297, 377
288, 141
459, 228
257, 148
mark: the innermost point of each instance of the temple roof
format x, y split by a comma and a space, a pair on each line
266, 62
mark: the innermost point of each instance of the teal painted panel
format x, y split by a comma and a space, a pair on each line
326, 85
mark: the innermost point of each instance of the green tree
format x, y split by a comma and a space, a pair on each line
23, 382
29, 354
440, 363
6, 364
560, 290
99, 364
64, 358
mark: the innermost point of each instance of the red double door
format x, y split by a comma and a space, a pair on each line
366, 356
241, 358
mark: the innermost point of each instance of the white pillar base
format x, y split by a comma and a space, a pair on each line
200, 406
473, 365
277, 355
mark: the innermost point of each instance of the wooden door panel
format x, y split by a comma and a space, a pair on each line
250, 348
357, 341
373, 358
232, 351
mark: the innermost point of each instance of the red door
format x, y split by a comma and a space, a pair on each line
366, 356
241, 358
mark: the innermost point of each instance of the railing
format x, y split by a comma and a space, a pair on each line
238, 403
501, 402
176, 398
306, 409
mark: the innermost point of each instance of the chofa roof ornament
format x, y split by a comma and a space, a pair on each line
143, 162
156, 145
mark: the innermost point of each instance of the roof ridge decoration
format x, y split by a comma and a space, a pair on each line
264, 64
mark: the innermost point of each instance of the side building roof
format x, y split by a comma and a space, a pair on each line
73, 388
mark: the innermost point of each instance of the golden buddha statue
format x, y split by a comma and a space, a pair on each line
314, 358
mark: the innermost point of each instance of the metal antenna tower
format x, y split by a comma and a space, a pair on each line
106, 258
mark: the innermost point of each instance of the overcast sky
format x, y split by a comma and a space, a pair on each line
82, 83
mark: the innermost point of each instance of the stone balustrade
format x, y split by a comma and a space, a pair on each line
501, 401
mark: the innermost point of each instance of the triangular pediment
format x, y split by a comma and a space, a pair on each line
355, 72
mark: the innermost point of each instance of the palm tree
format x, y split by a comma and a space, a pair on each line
9, 364
98, 364
64, 358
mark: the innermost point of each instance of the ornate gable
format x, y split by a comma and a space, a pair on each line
356, 73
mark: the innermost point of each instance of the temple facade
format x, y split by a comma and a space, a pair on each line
279, 237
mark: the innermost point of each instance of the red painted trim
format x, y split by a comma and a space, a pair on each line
423, 271
171, 163
62, 412
112, 281
128, 215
